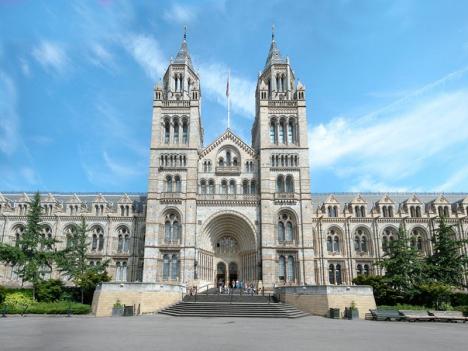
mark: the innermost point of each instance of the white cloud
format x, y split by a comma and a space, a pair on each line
384, 147
9, 119
242, 91
101, 56
51, 55
180, 14
145, 50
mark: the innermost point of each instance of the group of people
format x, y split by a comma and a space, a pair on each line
245, 287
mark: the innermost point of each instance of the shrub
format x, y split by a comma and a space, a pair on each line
3, 293
463, 309
49, 290
459, 299
59, 307
433, 294
18, 299
402, 306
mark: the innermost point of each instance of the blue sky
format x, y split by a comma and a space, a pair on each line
387, 87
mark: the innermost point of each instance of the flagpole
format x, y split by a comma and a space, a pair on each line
228, 98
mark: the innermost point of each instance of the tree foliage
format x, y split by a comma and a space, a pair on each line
447, 264
33, 254
73, 262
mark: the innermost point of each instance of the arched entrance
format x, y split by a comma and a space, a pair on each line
227, 248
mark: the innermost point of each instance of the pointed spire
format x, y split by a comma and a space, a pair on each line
183, 56
274, 55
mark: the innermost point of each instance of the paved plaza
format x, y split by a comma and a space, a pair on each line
221, 334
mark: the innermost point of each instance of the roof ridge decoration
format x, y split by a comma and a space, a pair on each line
359, 199
386, 200
100, 199
228, 135
24, 198
74, 199
50, 198
331, 199
125, 199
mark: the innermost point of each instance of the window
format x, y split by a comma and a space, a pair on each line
245, 186
169, 184
185, 132
123, 239
224, 188
232, 186
176, 131
211, 186
334, 274
69, 234
360, 241
338, 274
286, 227
290, 271
121, 271
280, 184
167, 132
332, 211
291, 132
172, 228
282, 268
253, 187
282, 132
178, 186
289, 184
203, 186
333, 241
417, 241
18, 233
388, 236
97, 238
171, 267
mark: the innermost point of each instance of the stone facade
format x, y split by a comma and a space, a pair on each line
231, 210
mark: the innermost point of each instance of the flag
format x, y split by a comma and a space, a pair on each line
227, 84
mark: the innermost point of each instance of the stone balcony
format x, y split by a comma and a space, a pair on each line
286, 197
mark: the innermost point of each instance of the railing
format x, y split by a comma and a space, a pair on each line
282, 103
245, 197
175, 103
172, 195
227, 169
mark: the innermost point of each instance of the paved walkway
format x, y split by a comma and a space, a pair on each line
171, 333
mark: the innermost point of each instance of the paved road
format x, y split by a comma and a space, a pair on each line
222, 334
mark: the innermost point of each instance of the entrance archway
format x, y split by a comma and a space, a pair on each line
228, 242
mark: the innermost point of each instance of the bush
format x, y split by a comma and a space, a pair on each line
3, 293
459, 299
59, 307
383, 293
463, 309
433, 294
402, 306
49, 290
18, 299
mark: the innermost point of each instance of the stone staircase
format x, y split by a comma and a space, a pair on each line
233, 305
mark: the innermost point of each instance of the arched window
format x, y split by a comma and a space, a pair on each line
203, 186
178, 185
441, 212
101, 242
120, 243
360, 241
418, 211
388, 236
385, 211
167, 132
185, 132
289, 184
221, 162
390, 211
123, 239
232, 186
211, 186
272, 132
417, 239
172, 227
166, 267
169, 184
446, 211
282, 132
228, 158
412, 212
94, 243
329, 244
280, 184
366, 269
253, 187
18, 233
331, 274
281, 231
70, 232
176, 131
359, 269
291, 132
282, 268
245, 186
286, 227
338, 278
224, 187
174, 267
336, 243
290, 272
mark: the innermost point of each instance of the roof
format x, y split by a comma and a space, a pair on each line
183, 56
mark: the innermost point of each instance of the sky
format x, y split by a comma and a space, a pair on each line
386, 87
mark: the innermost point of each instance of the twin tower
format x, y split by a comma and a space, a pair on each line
229, 210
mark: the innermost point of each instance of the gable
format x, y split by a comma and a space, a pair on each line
228, 138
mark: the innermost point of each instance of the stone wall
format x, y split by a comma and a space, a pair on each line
144, 297
317, 300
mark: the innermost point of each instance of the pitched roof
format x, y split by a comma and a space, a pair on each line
228, 135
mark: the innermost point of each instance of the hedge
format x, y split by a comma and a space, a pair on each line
58, 307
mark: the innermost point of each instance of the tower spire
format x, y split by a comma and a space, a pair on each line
183, 55
185, 33
272, 32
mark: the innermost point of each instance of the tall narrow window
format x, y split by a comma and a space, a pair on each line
185, 132
289, 184
120, 243
281, 231
167, 231
329, 244
224, 187
338, 274
94, 242
272, 132
101, 242
289, 231
331, 274
167, 132
253, 187
290, 268
166, 267
176, 132
245, 186
228, 158
203, 186
282, 268
211, 186
232, 186
282, 132
336, 244
291, 132
169, 184
174, 267
178, 186
280, 184
126, 243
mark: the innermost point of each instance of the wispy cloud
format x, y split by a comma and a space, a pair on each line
101, 56
378, 150
242, 90
146, 52
181, 14
456, 182
51, 55
8, 115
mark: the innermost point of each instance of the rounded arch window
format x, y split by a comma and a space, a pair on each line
172, 227
18, 231
70, 232
123, 237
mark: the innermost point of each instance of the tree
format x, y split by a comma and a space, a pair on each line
447, 264
403, 266
33, 253
73, 262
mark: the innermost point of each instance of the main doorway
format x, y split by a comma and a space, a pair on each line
233, 273
220, 273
